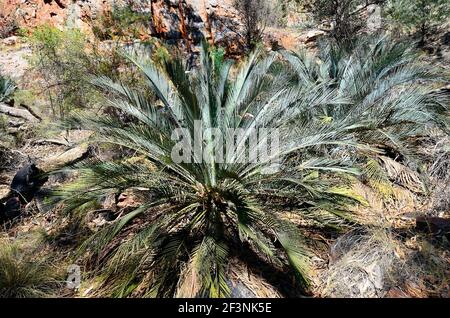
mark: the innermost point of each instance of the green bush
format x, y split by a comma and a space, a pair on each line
61, 58
67, 60
217, 56
123, 23
421, 17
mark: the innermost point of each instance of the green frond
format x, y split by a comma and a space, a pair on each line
297, 253
7, 88
337, 114
377, 179
209, 261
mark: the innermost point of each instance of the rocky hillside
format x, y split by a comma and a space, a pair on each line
172, 20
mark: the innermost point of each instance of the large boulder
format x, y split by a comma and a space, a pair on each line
68, 157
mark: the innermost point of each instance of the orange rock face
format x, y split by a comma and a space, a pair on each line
180, 22
30, 13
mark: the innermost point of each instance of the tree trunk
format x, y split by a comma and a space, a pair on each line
208, 24
423, 31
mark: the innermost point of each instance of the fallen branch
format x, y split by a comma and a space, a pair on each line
32, 112
51, 141
16, 130
66, 158
16, 112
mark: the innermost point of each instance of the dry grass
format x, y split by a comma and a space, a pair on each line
244, 280
376, 263
24, 273
360, 262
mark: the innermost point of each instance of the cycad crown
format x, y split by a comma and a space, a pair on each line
196, 216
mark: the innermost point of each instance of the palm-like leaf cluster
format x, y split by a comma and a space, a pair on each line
194, 217
390, 105
7, 88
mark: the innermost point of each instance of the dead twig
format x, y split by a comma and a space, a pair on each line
51, 141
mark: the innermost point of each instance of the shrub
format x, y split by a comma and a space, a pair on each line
199, 215
22, 276
60, 57
123, 23
66, 61
255, 16
345, 17
419, 16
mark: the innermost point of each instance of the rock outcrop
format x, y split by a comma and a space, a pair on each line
30, 13
171, 20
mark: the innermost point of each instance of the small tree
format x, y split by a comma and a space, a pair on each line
418, 16
66, 60
344, 15
255, 15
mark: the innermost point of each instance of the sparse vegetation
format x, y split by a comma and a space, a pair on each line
66, 61
122, 22
421, 17
255, 15
61, 58
345, 17
22, 276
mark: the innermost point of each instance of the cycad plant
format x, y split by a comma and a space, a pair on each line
390, 102
194, 216
7, 87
